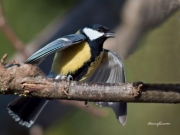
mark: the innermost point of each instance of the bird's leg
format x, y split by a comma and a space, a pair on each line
86, 103
68, 79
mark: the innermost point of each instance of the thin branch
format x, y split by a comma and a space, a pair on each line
26, 80
138, 16
9, 33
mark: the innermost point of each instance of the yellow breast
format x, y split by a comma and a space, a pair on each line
71, 59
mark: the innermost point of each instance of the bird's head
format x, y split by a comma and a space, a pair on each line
97, 32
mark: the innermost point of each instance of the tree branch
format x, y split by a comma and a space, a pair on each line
10, 34
27, 80
138, 16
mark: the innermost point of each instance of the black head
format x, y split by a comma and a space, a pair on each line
97, 32
96, 35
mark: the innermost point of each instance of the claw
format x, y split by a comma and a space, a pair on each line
63, 77
58, 77
67, 94
68, 79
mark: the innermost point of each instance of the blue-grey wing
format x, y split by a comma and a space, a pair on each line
57, 45
111, 70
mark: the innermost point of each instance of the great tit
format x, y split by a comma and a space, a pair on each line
82, 57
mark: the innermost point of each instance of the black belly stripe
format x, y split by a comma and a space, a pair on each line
96, 49
78, 75
81, 72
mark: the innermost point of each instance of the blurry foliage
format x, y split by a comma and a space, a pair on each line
82, 123
157, 59
29, 17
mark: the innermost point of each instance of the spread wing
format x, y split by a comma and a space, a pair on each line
57, 45
111, 70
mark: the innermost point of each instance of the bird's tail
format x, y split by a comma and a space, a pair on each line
26, 110
120, 109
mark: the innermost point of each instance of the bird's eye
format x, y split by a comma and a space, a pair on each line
100, 30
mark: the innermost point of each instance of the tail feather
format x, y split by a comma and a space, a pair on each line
120, 109
26, 110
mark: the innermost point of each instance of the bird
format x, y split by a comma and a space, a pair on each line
80, 57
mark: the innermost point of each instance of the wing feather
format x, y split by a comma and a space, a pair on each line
57, 45
111, 70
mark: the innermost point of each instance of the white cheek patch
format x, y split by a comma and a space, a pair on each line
92, 34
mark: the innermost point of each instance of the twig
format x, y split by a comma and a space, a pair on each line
2, 62
8, 31
138, 16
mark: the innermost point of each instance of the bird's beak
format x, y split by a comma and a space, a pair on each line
110, 35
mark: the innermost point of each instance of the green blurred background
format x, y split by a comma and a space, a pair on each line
156, 60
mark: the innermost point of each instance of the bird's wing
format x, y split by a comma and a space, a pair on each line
111, 70
57, 45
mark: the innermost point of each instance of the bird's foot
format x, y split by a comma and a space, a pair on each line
66, 93
64, 77
68, 79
